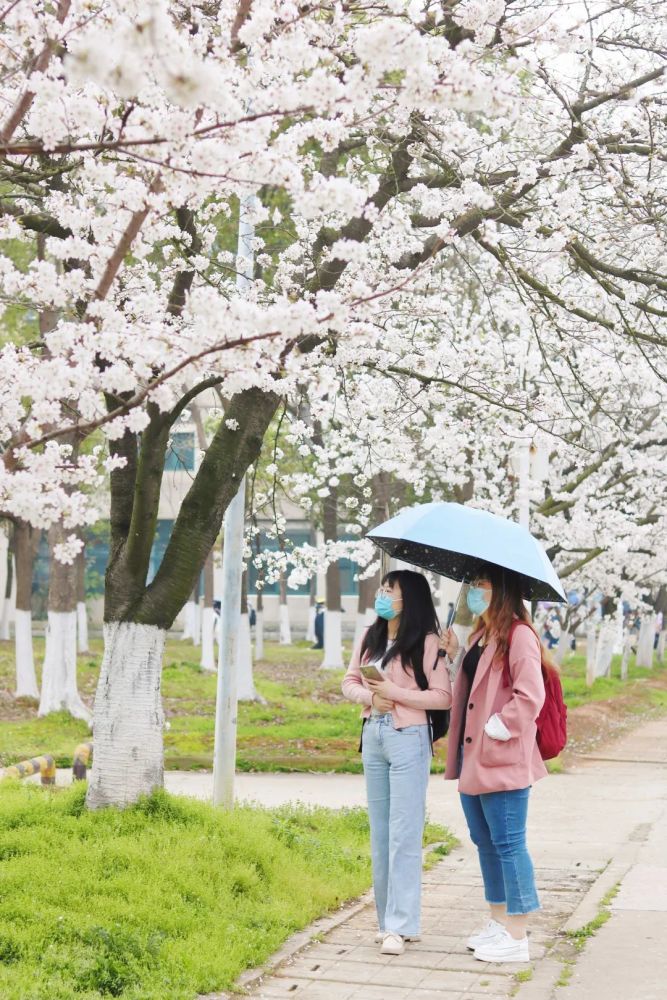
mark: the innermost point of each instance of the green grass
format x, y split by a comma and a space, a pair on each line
576, 692
565, 974
579, 937
165, 900
304, 726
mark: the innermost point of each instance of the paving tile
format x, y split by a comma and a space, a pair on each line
399, 975
381, 993
442, 979
419, 994
340, 972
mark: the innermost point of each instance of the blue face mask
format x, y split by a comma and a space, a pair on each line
477, 601
384, 607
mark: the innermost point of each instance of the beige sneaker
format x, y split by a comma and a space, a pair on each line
392, 944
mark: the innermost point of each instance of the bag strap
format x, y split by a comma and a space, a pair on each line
507, 676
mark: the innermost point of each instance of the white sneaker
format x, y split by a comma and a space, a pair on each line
503, 948
392, 944
490, 930
379, 937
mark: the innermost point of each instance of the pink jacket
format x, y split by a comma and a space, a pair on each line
493, 765
410, 701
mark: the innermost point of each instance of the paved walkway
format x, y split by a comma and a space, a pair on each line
601, 824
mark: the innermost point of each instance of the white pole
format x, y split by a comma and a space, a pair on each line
224, 752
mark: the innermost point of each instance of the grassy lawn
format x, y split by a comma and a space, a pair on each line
304, 726
166, 900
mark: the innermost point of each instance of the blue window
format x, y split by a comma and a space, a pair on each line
180, 455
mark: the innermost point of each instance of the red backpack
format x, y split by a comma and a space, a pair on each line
552, 720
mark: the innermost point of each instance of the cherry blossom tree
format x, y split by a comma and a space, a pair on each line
463, 198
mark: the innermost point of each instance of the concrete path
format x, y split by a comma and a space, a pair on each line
601, 824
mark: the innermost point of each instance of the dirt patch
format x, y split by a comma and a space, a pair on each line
600, 722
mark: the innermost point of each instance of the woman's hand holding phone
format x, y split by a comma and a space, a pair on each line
379, 694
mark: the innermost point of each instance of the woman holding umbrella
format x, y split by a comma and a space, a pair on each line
492, 750
396, 674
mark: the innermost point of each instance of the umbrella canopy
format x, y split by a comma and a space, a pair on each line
456, 541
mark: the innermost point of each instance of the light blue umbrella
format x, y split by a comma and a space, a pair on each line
456, 541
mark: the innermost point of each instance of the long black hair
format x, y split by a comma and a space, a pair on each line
418, 618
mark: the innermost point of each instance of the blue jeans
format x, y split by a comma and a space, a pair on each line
497, 824
397, 763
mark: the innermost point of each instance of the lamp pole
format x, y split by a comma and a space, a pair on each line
226, 704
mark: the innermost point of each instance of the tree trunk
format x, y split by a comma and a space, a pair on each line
189, 619
246, 690
365, 605
645, 641
25, 541
590, 655
333, 618
259, 625
59, 686
81, 610
129, 758
627, 649
310, 627
6, 611
196, 638
563, 647
128, 717
605, 649
285, 633
207, 661
661, 646
285, 636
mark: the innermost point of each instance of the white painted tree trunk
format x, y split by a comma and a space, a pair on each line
563, 647
189, 620
196, 634
244, 677
59, 690
359, 627
6, 616
310, 628
285, 627
82, 627
620, 633
661, 646
207, 661
645, 642
627, 649
604, 651
128, 718
259, 635
26, 679
333, 641
590, 655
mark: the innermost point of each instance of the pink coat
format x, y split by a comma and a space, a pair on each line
410, 701
493, 765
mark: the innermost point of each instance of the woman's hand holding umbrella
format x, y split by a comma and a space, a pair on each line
450, 643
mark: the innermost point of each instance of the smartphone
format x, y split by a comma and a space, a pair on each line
371, 673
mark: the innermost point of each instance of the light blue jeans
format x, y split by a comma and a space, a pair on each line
497, 824
397, 763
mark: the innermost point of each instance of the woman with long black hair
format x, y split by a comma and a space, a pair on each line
403, 645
